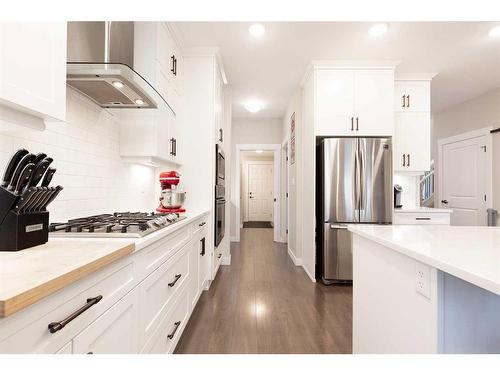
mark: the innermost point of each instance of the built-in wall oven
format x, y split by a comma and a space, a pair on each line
220, 195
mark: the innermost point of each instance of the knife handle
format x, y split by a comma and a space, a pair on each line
38, 172
48, 177
25, 176
20, 166
12, 164
39, 157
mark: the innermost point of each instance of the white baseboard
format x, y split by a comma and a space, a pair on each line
313, 279
295, 260
234, 239
226, 261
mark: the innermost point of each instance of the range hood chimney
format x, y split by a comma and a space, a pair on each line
101, 66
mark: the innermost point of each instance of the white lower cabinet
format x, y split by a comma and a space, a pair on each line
66, 349
114, 332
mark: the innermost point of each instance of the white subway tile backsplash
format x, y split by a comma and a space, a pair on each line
85, 149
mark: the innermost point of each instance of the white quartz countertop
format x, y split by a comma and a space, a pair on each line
423, 210
469, 253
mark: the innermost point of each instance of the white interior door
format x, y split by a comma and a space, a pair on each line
260, 191
464, 180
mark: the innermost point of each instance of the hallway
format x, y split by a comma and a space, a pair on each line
262, 303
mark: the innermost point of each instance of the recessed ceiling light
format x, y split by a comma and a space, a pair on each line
117, 84
253, 106
139, 101
495, 32
378, 29
257, 30
259, 151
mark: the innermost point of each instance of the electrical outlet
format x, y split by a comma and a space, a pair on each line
423, 280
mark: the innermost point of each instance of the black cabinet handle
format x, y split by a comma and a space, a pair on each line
90, 352
357, 123
218, 256
173, 64
177, 277
407, 101
175, 146
352, 123
404, 160
408, 164
202, 253
176, 326
404, 101
57, 326
171, 146
422, 218
221, 135
201, 224
444, 201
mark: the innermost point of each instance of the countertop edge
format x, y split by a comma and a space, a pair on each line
474, 279
35, 294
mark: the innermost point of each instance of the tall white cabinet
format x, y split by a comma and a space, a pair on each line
32, 72
412, 129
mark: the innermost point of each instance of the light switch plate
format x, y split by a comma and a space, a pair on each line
423, 280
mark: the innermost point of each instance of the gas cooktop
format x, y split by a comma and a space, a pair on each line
118, 224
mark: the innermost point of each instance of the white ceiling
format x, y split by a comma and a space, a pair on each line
466, 59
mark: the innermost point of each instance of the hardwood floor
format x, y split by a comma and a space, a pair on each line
262, 303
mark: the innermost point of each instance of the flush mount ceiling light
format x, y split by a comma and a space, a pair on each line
118, 84
139, 101
253, 106
378, 29
259, 151
495, 32
257, 30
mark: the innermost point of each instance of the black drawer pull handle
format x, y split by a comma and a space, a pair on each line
177, 277
219, 256
90, 353
201, 224
171, 335
202, 246
422, 218
57, 326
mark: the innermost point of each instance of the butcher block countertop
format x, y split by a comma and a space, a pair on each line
29, 275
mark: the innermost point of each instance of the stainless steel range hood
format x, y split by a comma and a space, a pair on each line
101, 66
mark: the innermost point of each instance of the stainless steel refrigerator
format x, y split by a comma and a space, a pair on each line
354, 186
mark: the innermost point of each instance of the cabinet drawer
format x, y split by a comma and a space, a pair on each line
158, 290
167, 335
199, 225
35, 337
157, 253
114, 332
438, 218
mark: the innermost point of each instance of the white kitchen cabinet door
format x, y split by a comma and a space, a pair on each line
412, 144
114, 332
334, 102
33, 68
194, 269
412, 96
66, 349
373, 102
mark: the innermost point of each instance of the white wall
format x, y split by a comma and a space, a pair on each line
477, 113
85, 150
294, 222
250, 131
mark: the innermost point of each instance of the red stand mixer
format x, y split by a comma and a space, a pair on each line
171, 199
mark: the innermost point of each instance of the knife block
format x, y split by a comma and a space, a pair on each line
20, 230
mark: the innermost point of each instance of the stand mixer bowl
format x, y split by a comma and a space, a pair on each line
172, 198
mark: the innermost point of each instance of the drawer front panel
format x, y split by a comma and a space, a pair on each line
36, 337
158, 290
200, 225
421, 219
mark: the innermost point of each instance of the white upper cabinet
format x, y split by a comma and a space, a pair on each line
412, 96
354, 102
33, 70
412, 130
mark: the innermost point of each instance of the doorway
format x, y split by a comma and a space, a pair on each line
258, 200
465, 177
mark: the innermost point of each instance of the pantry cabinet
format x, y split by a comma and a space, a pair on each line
32, 72
412, 129
353, 102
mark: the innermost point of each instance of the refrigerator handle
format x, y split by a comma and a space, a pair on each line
361, 178
356, 180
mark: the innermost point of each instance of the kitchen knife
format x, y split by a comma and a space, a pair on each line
20, 166
11, 166
48, 176
38, 172
32, 199
52, 197
25, 176
35, 201
25, 198
43, 201
39, 157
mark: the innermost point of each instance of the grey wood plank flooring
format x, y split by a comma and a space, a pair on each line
262, 303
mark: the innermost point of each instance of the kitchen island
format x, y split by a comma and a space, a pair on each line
426, 289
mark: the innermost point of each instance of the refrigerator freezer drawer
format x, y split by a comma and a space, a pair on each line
337, 253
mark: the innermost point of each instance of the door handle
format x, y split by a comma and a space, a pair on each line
444, 201
408, 164
404, 160
357, 123
352, 123
173, 64
177, 277
176, 325
404, 101
202, 253
407, 101
57, 326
